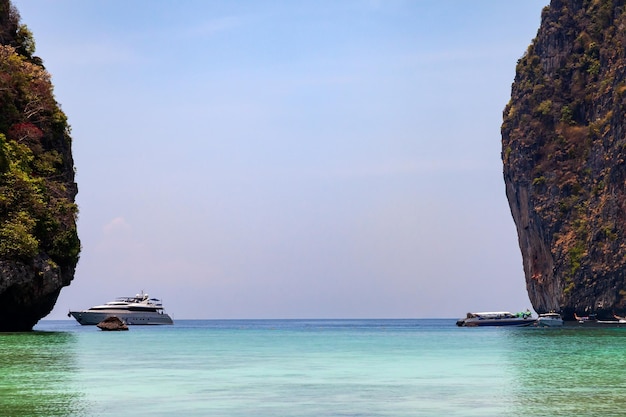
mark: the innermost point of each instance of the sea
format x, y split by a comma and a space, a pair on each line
312, 368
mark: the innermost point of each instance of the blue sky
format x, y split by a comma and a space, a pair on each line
282, 159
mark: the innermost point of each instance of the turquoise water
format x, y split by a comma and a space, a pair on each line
312, 368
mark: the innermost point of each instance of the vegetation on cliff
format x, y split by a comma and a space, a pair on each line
37, 189
564, 154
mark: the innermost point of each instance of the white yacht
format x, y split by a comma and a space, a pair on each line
550, 320
140, 309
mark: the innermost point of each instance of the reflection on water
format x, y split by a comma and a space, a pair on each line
36, 375
568, 371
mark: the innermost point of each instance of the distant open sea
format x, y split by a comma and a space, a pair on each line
312, 368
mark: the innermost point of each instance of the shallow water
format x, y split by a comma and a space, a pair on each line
312, 368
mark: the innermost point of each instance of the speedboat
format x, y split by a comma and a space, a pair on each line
592, 318
550, 320
497, 318
140, 309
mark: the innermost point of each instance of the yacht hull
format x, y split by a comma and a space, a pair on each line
86, 317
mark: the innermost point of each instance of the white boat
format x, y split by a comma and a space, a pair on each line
140, 309
550, 320
497, 318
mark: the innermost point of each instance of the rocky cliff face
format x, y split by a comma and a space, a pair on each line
39, 245
564, 155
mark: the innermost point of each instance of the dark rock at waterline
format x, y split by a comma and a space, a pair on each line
112, 324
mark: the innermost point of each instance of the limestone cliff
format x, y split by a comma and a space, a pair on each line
39, 245
564, 155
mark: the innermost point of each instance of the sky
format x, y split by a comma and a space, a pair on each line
282, 159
